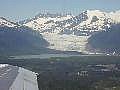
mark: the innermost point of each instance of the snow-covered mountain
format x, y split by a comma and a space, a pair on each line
17, 39
82, 24
5, 22
69, 32
62, 32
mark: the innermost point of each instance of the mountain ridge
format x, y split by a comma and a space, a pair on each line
73, 31
69, 32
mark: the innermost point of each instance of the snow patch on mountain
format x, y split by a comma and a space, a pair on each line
44, 23
115, 16
69, 32
66, 42
5, 22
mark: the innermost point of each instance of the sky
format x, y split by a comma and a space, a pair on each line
17, 10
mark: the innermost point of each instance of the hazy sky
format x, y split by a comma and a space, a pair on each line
21, 9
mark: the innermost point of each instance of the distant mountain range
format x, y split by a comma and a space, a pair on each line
82, 24
85, 32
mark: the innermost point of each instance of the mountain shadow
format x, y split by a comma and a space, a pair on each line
108, 41
16, 40
23, 40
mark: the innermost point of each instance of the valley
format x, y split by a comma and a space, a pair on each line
50, 33
68, 32
73, 73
